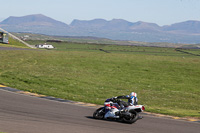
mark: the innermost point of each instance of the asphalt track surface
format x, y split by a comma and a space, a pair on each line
21, 113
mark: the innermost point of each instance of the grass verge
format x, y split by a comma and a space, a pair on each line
14, 43
165, 84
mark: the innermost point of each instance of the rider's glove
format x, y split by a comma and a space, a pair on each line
114, 99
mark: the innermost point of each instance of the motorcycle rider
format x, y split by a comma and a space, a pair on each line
132, 100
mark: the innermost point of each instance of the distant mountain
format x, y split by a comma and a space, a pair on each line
119, 29
113, 25
37, 23
145, 27
117, 25
116, 29
187, 27
96, 23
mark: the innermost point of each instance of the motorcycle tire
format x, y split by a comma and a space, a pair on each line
99, 113
131, 119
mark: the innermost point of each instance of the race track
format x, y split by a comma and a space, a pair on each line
21, 113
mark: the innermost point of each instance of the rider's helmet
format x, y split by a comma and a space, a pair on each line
133, 94
133, 98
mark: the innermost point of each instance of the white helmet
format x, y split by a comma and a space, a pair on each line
133, 94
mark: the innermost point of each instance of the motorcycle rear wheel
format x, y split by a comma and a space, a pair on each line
99, 113
132, 118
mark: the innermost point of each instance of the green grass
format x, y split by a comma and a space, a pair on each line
14, 43
68, 46
165, 82
192, 51
92, 40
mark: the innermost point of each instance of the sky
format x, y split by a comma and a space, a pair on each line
161, 12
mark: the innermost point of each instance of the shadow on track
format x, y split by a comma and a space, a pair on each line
109, 120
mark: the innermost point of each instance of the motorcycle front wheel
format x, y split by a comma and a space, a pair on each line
99, 113
132, 118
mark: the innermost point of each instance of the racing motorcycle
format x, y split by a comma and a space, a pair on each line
128, 114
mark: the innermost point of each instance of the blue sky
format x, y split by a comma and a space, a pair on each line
162, 12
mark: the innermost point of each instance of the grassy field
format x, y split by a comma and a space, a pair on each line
166, 81
95, 40
14, 43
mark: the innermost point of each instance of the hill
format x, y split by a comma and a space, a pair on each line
34, 23
116, 29
188, 27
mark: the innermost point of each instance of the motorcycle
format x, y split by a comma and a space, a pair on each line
128, 114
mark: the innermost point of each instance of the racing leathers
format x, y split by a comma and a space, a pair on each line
132, 100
